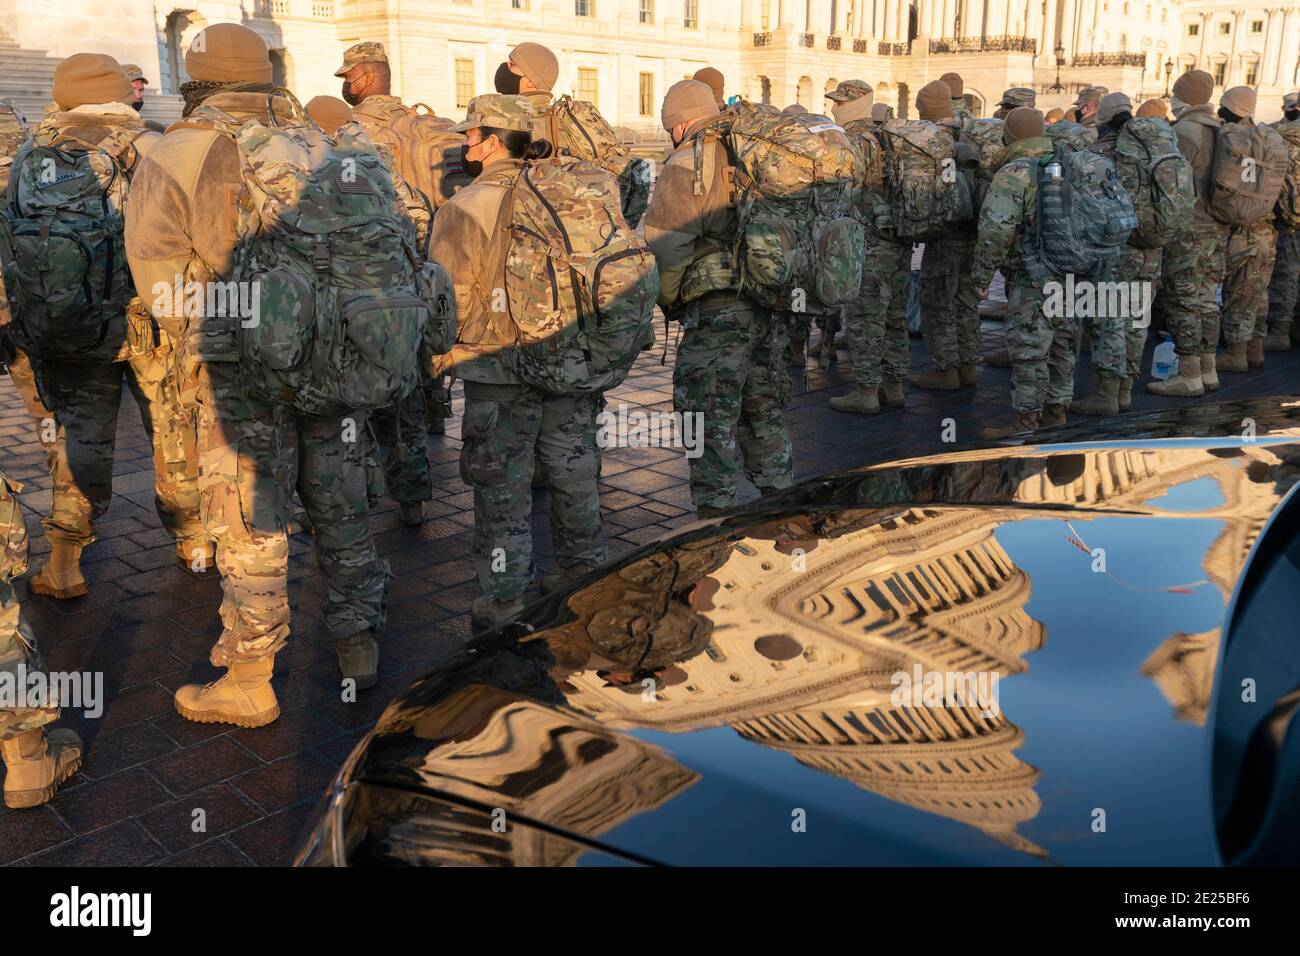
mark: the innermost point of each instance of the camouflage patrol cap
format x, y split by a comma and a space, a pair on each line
370, 51
1018, 96
134, 73
849, 90
1291, 102
1090, 94
498, 111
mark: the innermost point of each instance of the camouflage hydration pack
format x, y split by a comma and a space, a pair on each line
985, 137
868, 139
62, 246
798, 180
342, 310
1247, 173
929, 196
1070, 135
1158, 179
577, 129
1084, 215
425, 150
580, 285
1288, 201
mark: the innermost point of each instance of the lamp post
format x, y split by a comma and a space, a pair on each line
1169, 68
1060, 60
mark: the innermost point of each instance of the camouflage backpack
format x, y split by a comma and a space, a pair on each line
798, 181
342, 301
580, 285
985, 137
868, 138
1158, 180
577, 129
62, 246
1288, 202
928, 195
1084, 215
429, 156
1247, 173
1070, 135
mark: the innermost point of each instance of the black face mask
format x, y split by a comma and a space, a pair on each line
138, 105
505, 81
469, 165
348, 96
1293, 115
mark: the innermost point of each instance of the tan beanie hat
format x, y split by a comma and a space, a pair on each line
794, 109
1194, 87
1154, 108
228, 53
1054, 115
714, 80
955, 84
328, 112
90, 78
934, 101
687, 101
538, 64
1023, 122
1239, 100
881, 112
1111, 105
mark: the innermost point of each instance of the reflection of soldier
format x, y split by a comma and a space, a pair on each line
36, 761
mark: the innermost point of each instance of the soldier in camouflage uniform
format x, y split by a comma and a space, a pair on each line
1193, 268
1042, 352
729, 361
36, 760
182, 221
1118, 340
85, 394
950, 320
508, 424
876, 321
1247, 264
1087, 103
398, 432
957, 89
1284, 287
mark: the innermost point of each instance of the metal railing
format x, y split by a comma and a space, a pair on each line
859, 46
1111, 59
762, 39
832, 43
1007, 44
894, 49
806, 40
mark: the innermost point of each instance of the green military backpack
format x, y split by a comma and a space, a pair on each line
1288, 201
985, 137
1247, 173
1070, 135
327, 253
798, 181
580, 285
1084, 216
1158, 179
869, 140
63, 255
930, 198
577, 129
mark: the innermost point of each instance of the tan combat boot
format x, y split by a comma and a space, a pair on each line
1278, 338
1104, 401
891, 393
1023, 422
967, 375
1185, 383
1209, 375
1255, 352
197, 555
947, 380
61, 577
857, 402
487, 612
1052, 416
243, 696
998, 359
37, 763
1234, 359
359, 658
1126, 393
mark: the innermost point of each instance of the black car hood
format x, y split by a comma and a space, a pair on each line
759, 688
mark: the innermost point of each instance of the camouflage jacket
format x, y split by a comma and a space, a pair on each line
1008, 215
960, 111
1198, 132
468, 241
1072, 135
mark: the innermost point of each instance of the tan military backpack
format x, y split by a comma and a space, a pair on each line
428, 154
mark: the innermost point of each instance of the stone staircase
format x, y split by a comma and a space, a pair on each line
27, 76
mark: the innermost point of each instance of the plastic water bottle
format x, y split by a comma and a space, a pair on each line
1165, 359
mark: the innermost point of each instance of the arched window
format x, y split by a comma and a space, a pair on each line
803, 94
765, 87
182, 25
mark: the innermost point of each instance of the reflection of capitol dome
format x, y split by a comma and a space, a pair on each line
1183, 669
950, 761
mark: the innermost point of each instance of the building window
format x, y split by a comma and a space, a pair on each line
647, 94
1193, 29
1252, 74
765, 90
588, 85
647, 11
1225, 28
582, 8
1220, 70
464, 82
1256, 26
691, 14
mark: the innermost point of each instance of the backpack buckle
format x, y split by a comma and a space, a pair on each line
320, 256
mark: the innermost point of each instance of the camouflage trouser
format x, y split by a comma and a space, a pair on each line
18, 654
21, 371
1248, 264
1119, 337
85, 398
1041, 348
505, 429
950, 322
876, 321
253, 454
400, 448
730, 369
1192, 268
1284, 287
